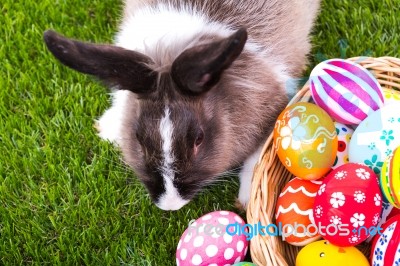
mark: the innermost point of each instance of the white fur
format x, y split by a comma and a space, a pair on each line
167, 30
170, 199
148, 28
166, 133
275, 65
282, 76
110, 123
245, 177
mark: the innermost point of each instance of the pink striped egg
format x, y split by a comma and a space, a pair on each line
345, 90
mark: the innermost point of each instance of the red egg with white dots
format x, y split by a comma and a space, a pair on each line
388, 211
207, 242
348, 204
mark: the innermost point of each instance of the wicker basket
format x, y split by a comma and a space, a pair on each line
270, 176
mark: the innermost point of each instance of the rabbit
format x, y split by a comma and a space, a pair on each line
196, 86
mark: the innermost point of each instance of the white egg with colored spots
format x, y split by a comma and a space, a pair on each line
207, 242
344, 134
376, 138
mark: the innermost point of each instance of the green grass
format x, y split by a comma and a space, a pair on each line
65, 196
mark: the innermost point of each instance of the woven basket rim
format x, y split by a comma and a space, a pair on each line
270, 175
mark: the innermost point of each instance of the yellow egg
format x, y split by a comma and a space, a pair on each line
305, 140
323, 253
390, 178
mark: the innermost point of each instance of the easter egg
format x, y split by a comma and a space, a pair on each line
391, 96
244, 264
390, 178
376, 138
348, 203
346, 90
295, 207
388, 211
326, 254
206, 241
344, 134
305, 140
385, 248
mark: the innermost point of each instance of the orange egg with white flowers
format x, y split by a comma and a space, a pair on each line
305, 140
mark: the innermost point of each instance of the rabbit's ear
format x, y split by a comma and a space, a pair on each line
116, 66
199, 68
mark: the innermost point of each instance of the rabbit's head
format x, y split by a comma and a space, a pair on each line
175, 130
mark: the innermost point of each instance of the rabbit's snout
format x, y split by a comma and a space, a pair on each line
173, 168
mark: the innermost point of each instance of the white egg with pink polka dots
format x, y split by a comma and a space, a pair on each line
206, 241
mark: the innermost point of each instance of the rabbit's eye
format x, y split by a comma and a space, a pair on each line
137, 136
199, 138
